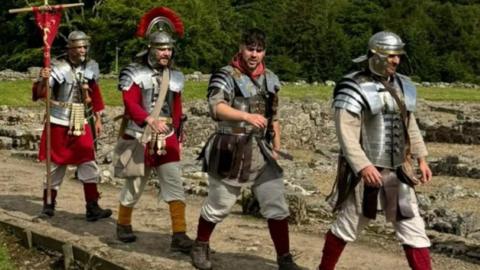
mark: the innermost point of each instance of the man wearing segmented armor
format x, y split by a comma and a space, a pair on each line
377, 132
243, 99
73, 80
140, 84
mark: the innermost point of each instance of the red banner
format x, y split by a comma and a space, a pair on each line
48, 22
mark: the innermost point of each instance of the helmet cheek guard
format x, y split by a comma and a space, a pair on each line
378, 63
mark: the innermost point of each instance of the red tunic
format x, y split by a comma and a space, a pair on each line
132, 98
68, 149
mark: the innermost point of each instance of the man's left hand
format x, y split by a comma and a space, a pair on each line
98, 126
426, 172
274, 154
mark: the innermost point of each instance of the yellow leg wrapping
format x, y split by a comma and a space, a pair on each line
124, 215
177, 214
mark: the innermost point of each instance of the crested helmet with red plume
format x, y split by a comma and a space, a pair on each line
159, 26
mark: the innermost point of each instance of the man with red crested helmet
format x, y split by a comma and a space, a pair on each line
140, 84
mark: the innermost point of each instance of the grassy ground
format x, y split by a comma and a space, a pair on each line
18, 93
5, 262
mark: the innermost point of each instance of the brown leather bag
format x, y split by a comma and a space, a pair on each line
128, 158
407, 172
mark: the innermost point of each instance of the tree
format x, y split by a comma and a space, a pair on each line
307, 39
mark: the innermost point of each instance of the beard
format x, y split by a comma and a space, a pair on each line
164, 61
158, 63
77, 59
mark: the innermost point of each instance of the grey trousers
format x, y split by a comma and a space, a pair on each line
171, 185
88, 172
222, 197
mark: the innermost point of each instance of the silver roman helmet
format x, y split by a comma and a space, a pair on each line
159, 26
78, 39
380, 46
161, 40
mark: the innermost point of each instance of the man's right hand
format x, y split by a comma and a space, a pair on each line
256, 120
158, 126
45, 73
371, 176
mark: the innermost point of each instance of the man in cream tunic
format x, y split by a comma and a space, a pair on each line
373, 140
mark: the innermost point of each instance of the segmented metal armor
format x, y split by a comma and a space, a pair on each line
249, 96
66, 82
149, 80
382, 137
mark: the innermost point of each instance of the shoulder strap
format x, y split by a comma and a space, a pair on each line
400, 103
158, 104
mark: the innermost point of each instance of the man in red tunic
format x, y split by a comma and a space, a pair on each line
140, 83
73, 80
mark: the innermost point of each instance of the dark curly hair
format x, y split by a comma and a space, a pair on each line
254, 37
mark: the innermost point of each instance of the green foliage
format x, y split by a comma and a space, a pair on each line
284, 67
22, 59
312, 40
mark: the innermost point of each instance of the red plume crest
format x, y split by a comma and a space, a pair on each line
174, 20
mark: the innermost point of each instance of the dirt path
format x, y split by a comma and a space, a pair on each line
240, 242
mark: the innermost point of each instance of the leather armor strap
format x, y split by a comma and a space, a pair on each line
370, 201
398, 100
61, 104
158, 104
247, 159
242, 131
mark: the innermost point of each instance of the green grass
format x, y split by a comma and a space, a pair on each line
449, 94
305, 92
18, 93
5, 261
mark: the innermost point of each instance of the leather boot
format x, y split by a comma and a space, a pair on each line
200, 255
125, 233
95, 212
285, 262
49, 209
181, 242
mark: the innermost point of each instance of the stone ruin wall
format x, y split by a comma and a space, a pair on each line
305, 125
